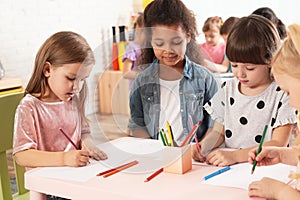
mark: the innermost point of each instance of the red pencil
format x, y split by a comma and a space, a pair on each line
120, 168
110, 170
191, 133
197, 144
74, 145
154, 174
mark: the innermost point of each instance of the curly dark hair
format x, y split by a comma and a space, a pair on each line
170, 12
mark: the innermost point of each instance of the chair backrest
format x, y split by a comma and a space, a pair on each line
8, 105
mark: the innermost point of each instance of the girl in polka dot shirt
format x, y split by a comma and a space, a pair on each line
249, 101
286, 70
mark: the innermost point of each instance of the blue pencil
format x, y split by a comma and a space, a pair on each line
220, 171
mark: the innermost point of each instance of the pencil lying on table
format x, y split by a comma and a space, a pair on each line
120, 168
154, 175
110, 170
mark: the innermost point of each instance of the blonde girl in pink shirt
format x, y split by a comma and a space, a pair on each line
54, 99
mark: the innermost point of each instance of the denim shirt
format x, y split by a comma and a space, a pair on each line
197, 86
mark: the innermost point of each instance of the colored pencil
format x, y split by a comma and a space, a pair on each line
120, 169
191, 134
259, 148
197, 143
165, 137
154, 175
110, 170
74, 145
171, 138
162, 138
220, 171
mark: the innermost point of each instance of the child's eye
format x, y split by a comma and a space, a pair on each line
177, 42
232, 65
250, 69
71, 79
158, 44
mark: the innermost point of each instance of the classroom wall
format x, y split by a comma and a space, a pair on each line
25, 25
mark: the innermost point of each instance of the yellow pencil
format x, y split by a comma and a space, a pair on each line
170, 134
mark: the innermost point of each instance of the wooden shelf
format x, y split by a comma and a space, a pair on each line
113, 93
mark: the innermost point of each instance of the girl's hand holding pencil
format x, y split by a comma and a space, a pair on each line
196, 152
76, 158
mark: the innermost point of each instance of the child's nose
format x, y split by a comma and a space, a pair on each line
241, 73
168, 48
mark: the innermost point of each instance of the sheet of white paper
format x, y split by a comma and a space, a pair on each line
239, 175
119, 152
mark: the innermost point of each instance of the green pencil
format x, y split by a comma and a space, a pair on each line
259, 148
165, 137
162, 138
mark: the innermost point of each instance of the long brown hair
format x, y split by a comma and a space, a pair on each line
61, 48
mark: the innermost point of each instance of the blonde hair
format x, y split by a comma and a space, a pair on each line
287, 58
212, 23
61, 48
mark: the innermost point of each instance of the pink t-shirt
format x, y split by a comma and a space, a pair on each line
37, 125
214, 53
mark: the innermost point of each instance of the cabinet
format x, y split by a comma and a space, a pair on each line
113, 93
10, 85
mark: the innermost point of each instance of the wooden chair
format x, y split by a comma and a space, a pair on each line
8, 105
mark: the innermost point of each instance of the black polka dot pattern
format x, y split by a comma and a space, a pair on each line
243, 120
257, 138
222, 103
231, 100
209, 103
279, 104
260, 104
273, 121
296, 112
228, 133
278, 89
223, 84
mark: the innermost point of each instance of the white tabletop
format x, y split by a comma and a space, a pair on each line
130, 183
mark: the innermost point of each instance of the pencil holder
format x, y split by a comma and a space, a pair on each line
177, 160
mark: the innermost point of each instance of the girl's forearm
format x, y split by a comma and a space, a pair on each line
36, 158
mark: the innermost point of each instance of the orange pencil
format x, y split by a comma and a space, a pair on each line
120, 169
154, 174
110, 170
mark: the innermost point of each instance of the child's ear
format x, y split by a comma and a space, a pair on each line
46, 69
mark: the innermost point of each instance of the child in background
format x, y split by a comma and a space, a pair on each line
251, 100
286, 70
227, 27
61, 66
269, 14
214, 47
225, 30
133, 51
173, 87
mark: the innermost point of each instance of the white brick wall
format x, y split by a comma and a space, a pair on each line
25, 25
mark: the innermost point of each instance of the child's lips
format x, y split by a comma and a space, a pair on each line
71, 95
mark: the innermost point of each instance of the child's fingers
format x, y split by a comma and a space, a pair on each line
97, 154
